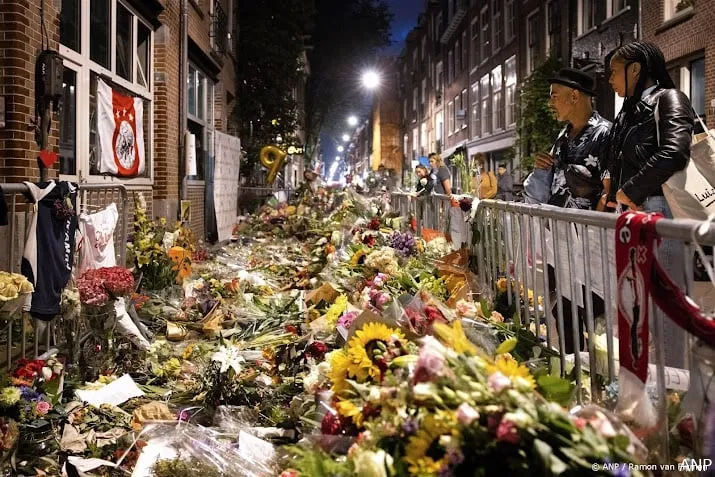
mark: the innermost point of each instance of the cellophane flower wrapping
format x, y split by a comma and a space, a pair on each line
203, 449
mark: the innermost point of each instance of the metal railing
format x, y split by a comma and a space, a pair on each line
90, 198
520, 243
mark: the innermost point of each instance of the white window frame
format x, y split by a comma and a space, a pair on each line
83, 66
612, 11
415, 142
423, 139
474, 32
450, 66
423, 99
509, 21
484, 90
450, 118
464, 106
510, 94
476, 116
550, 4
497, 40
439, 126
497, 84
669, 11
484, 32
415, 99
406, 145
530, 63
207, 122
439, 78
457, 127
582, 29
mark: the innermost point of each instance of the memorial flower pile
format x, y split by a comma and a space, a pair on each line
98, 287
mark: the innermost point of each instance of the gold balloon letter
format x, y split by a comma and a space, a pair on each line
272, 158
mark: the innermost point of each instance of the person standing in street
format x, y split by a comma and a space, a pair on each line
487, 186
580, 175
443, 182
505, 184
645, 151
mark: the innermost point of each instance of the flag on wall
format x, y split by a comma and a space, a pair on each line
121, 132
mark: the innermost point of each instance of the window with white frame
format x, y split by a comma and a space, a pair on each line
456, 113
438, 86
415, 98
423, 139
450, 66
485, 39
404, 109
553, 28
423, 98
457, 57
475, 42
510, 86
586, 15
450, 118
497, 99
200, 114
476, 126
107, 39
689, 76
465, 50
415, 142
484, 90
497, 30
463, 101
673, 7
510, 20
615, 7
439, 127
532, 39
406, 145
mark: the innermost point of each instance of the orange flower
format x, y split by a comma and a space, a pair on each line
182, 258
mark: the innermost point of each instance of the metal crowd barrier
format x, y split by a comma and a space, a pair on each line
90, 198
518, 242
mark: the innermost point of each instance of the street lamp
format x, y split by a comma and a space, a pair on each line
352, 121
371, 79
346, 137
341, 148
337, 159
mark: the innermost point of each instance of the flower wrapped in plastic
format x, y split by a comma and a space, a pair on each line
14, 288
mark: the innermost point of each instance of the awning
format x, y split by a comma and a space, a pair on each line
447, 153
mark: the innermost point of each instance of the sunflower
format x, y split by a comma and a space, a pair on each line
425, 452
338, 374
511, 368
501, 285
357, 257
362, 347
348, 409
454, 337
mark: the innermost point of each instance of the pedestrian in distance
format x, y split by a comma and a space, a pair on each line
487, 186
505, 184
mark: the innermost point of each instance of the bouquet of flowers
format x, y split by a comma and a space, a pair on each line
13, 288
32, 390
97, 287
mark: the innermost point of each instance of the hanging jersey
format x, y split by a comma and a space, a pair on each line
49, 250
97, 245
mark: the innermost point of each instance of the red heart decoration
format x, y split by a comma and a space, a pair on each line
48, 158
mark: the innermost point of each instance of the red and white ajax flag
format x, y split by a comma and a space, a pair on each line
121, 132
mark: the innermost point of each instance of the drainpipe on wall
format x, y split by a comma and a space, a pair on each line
183, 92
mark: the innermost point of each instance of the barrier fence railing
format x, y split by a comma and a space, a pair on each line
90, 198
561, 253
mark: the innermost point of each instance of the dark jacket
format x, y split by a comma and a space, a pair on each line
640, 163
505, 187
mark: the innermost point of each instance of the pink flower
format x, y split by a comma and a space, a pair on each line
42, 408
430, 363
498, 382
347, 319
507, 432
466, 309
466, 414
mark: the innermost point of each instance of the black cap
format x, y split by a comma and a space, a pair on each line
575, 79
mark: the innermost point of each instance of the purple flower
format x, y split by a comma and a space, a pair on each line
29, 394
347, 319
183, 415
410, 426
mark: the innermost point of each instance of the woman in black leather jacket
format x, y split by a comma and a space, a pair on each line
650, 141
643, 155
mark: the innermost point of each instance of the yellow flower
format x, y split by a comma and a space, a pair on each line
501, 285
354, 261
435, 428
338, 374
363, 344
188, 352
347, 408
511, 368
454, 337
336, 309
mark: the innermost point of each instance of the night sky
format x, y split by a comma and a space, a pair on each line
405, 18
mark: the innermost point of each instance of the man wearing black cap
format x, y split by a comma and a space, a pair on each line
577, 160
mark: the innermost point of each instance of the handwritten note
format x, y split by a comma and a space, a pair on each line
115, 393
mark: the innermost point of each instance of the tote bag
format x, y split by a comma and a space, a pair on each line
691, 192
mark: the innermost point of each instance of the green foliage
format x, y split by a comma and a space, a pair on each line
314, 462
537, 128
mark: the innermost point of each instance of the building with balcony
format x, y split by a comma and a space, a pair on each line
135, 48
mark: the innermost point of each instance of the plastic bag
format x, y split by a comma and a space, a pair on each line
201, 448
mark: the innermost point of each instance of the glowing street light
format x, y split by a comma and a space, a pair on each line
337, 159
371, 79
341, 148
352, 121
346, 137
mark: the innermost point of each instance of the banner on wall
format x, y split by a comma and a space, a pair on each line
121, 132
226, 172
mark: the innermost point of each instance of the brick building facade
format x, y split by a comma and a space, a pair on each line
135, 47
683, 30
